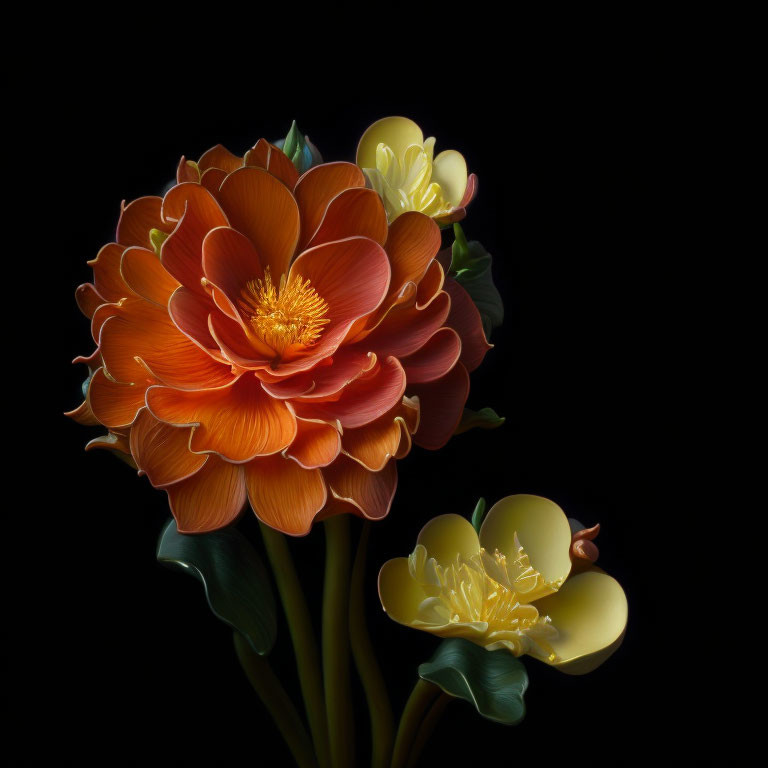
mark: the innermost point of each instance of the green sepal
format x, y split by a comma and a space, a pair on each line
478, 514
471, 267
233, 576
485, 418
494, 682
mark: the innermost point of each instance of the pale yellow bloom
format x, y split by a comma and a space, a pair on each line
509, 587
401, 167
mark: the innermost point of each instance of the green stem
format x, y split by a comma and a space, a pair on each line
336, 642
427, 726
382, 726
275, 699
303, 637
422, 696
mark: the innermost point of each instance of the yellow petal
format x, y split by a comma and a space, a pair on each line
396, 132
590, 614
446, 536
400, 595
449, 170
542, 529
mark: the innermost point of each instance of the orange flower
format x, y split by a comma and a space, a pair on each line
270, 337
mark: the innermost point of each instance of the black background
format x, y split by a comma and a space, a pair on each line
119, 659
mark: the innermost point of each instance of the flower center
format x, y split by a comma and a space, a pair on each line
291, 313
404, 184
487, 589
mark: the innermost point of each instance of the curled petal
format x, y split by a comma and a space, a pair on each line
263, 209
146, 276
374, 444
406, 328
270, 158
315, 190
83, 415
400, 594
449, 170
370, 492
355, 211
364, 400
189, 312
284, 495
541, 528
210, 499
107, 279
438, 355
442, 404
430, 285
316, 444
138, 219
162, 451
220, 157
412, 244
113, 404
396, 132
590, 614
465, 318
239, 421
188, 170
88, 299
446, 536
212, 180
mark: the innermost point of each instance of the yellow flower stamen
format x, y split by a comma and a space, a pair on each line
290, 313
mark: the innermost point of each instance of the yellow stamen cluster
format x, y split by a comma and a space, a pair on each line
487, 591
290, 313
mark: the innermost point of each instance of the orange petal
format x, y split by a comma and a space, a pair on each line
107, 279
220, 157
442, 404
465, 318
88, 299
364, 400
434, 359
83, 415
212, 180
113, 442
316, 444
407, 328
162, 451
315, 190
236, 345
270, 158
137, 219
413, 242
284, 495
229, 262
370, 492
356, 211
239, 421
374, 444
169, 355
189, 312
113, 404
210, 499
198, 213
263, 209
430, 285
143, 272
187, 171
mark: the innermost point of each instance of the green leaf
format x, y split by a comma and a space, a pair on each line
492, 681
233, 576
485, 418
478, 514
471, 267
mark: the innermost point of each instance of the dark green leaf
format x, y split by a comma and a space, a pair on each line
478, 514
493, 681
471, 266
485, 418
235, 581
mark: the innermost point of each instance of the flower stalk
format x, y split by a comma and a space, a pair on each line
336, 643
276, 700
382, 726
302, 636
422, 696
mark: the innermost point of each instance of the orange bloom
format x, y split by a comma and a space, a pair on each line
267, 337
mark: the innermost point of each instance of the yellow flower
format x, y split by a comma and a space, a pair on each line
509, 588
400, 167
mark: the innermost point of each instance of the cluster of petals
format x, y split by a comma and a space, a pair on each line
215, 409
